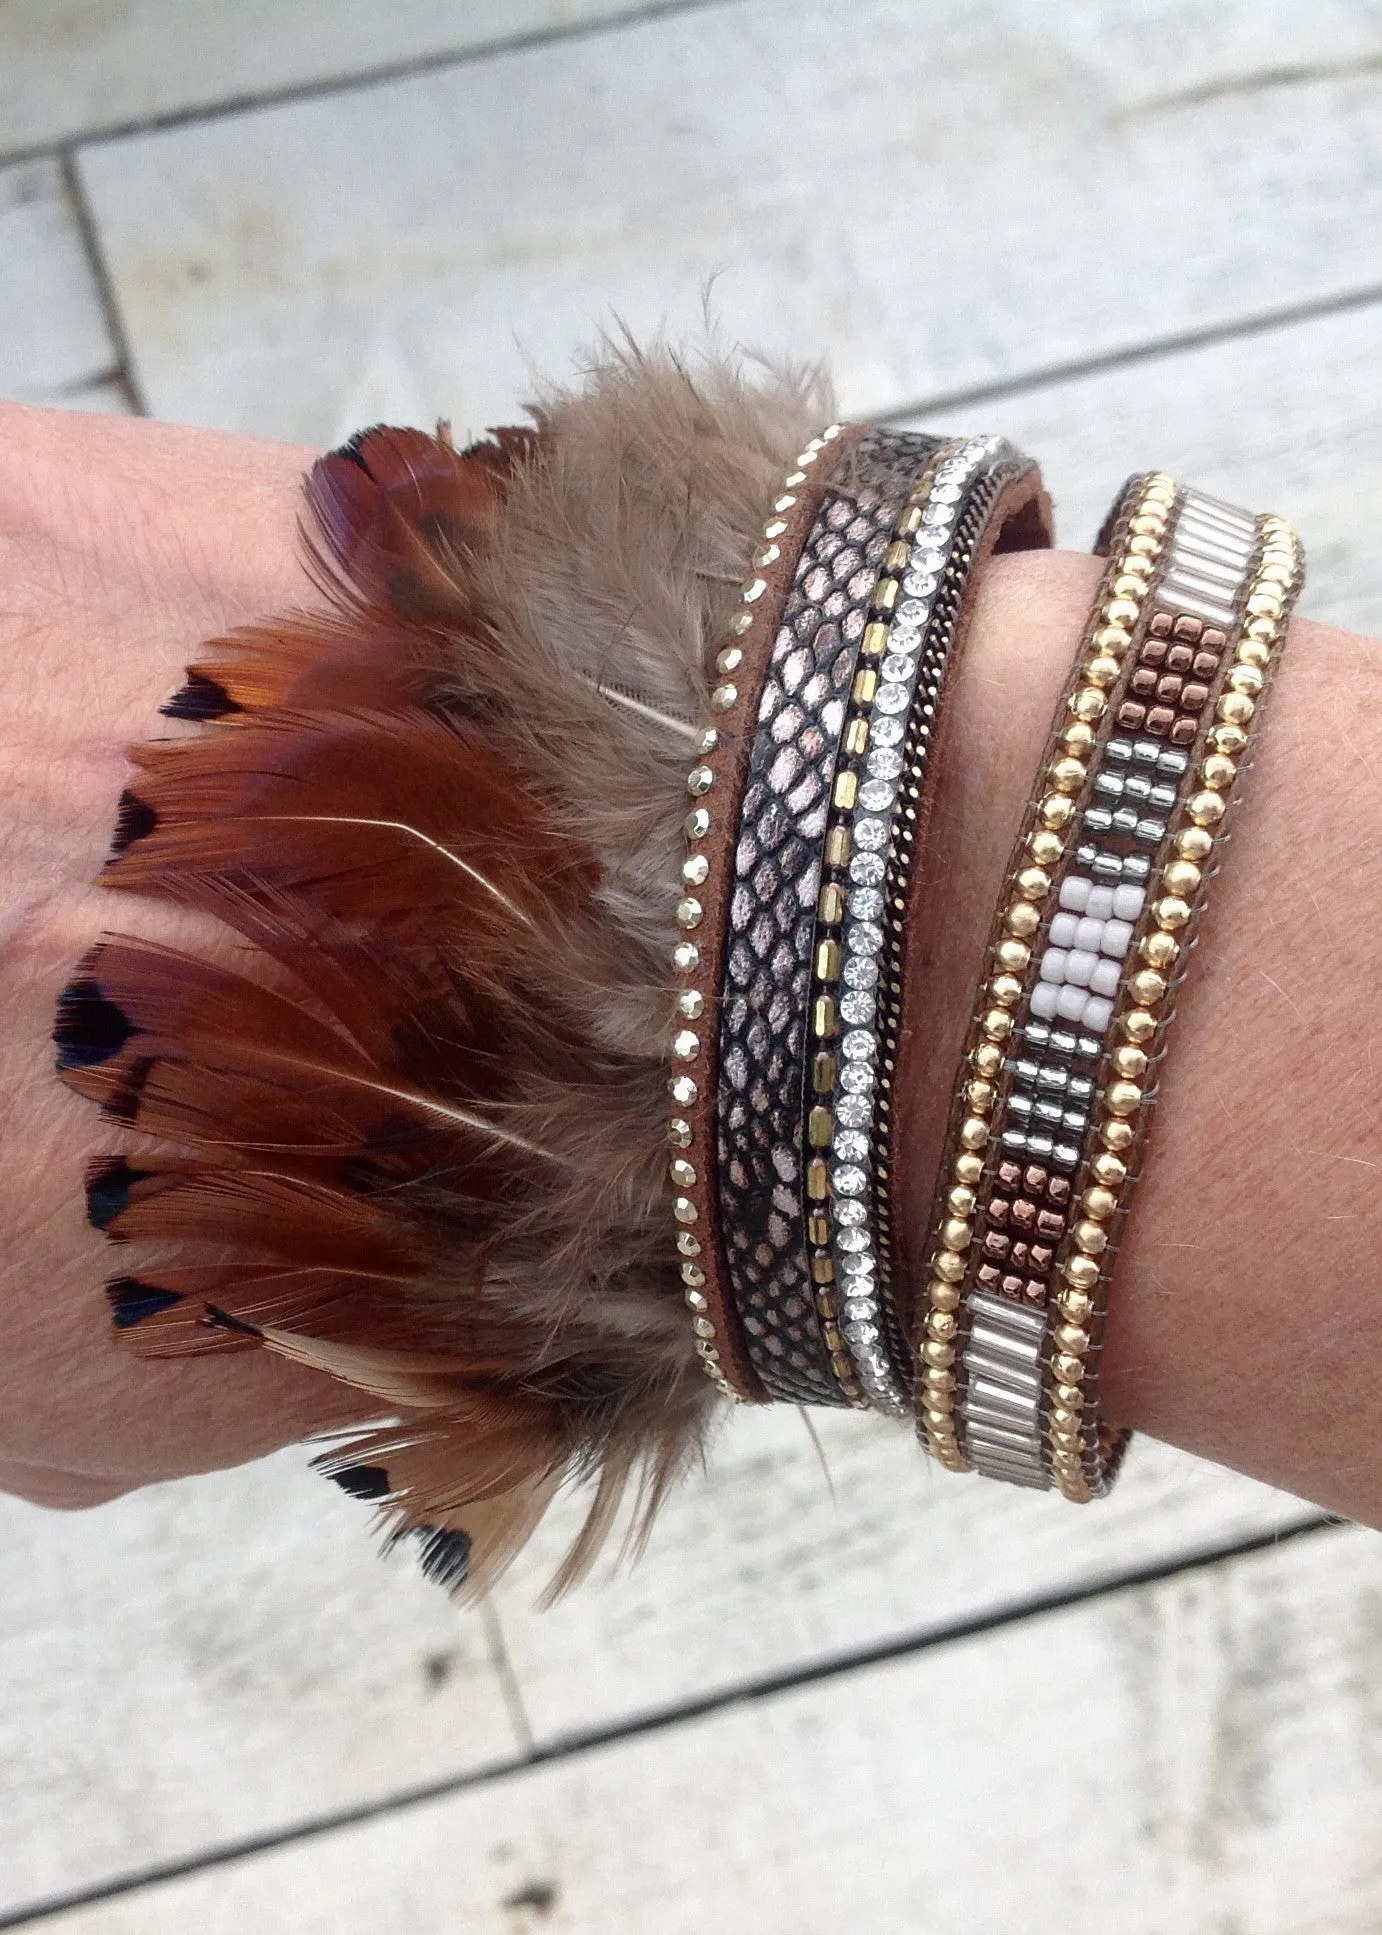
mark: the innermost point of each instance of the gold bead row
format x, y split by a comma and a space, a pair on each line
694, 1006
1147, 1004
1107, 643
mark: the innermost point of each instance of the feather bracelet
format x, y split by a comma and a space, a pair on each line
418, 1138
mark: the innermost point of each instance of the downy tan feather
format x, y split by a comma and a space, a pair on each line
447, 816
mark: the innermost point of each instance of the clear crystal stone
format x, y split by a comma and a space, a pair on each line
938, 515
877, 795
887, 732
857, 1008
870, 835
850, 1214
919, 584
860, 1267
885, 762
861, 1310
861, 971
852, 1240
892, 698
899, 668
866, 903
856, 1078
858, 1045
856, 1333
867, 869
904, 637
855, 1111
850, 1146
867, 938
849, 1179
945, 492
913, 611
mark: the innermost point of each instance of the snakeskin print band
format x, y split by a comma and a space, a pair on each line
810, 800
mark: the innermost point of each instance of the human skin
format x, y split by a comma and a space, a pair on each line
1246, 1324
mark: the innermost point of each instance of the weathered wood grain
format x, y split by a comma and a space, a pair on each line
990, 197
73, 67
1200, 1754
932, 198
208, 1660
54, 344
758, 1569
1289, 419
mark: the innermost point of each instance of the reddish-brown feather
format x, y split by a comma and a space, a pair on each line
399, 1118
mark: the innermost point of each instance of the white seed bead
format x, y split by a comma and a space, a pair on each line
1064, 928
1070, 1003
1127, 902
1116, 937
1098, 1013
1105, 978
1044, 997
1074, 893
1089, 934
1100, 903
1053, 965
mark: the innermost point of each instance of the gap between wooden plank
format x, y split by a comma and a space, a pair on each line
1182, 342
123, 370
367, 77
571, 1746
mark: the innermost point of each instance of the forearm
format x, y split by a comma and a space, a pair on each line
123, 545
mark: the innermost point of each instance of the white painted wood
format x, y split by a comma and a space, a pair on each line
930, 197
72, 67
208, 1660
758, 1569
1289, 420
228, 1657
54, 345
1197, 1755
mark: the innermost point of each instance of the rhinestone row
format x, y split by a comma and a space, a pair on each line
836, 1092
688, 1046
1107, 641
885, 691
1078, 1450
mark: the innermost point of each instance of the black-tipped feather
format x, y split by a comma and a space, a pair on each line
432, 1162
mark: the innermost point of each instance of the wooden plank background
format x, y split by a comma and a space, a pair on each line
1122, 234
1199, 1754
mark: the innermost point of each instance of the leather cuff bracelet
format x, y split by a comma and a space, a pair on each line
1099, 914
810, 797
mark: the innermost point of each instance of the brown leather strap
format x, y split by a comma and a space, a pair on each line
726, 764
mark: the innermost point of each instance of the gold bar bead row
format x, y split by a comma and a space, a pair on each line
695, 1000
835, 890
1146, 1006
1051, 820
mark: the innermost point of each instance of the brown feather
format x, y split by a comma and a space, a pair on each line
423, 1129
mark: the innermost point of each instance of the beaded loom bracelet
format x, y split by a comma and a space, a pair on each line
1103, 901
808, 803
